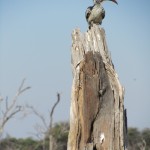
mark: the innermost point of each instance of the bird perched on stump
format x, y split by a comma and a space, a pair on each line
96, 13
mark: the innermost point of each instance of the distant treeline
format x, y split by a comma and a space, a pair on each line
137, 140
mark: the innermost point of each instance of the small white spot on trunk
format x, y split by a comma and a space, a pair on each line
102, 138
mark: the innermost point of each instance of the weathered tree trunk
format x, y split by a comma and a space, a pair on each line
97, 118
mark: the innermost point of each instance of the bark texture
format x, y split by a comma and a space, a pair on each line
97, 118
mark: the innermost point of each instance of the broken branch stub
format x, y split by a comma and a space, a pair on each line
97, 101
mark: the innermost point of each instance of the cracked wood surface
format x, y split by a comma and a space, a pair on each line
97, 100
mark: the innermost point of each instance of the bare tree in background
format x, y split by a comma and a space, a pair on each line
51, 139
11, 109
45, 128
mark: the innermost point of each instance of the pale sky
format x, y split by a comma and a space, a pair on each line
35, 43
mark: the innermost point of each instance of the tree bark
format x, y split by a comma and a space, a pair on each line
97, 118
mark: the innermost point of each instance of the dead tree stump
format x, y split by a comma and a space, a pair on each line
97, 118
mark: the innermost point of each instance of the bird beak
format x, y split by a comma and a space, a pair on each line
114, 1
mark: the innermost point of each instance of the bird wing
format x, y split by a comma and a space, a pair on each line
103, 13
88, 12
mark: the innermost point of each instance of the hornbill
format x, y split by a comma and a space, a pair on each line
96, 13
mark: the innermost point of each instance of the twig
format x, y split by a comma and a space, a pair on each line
38, 115
52, 111
11, 110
